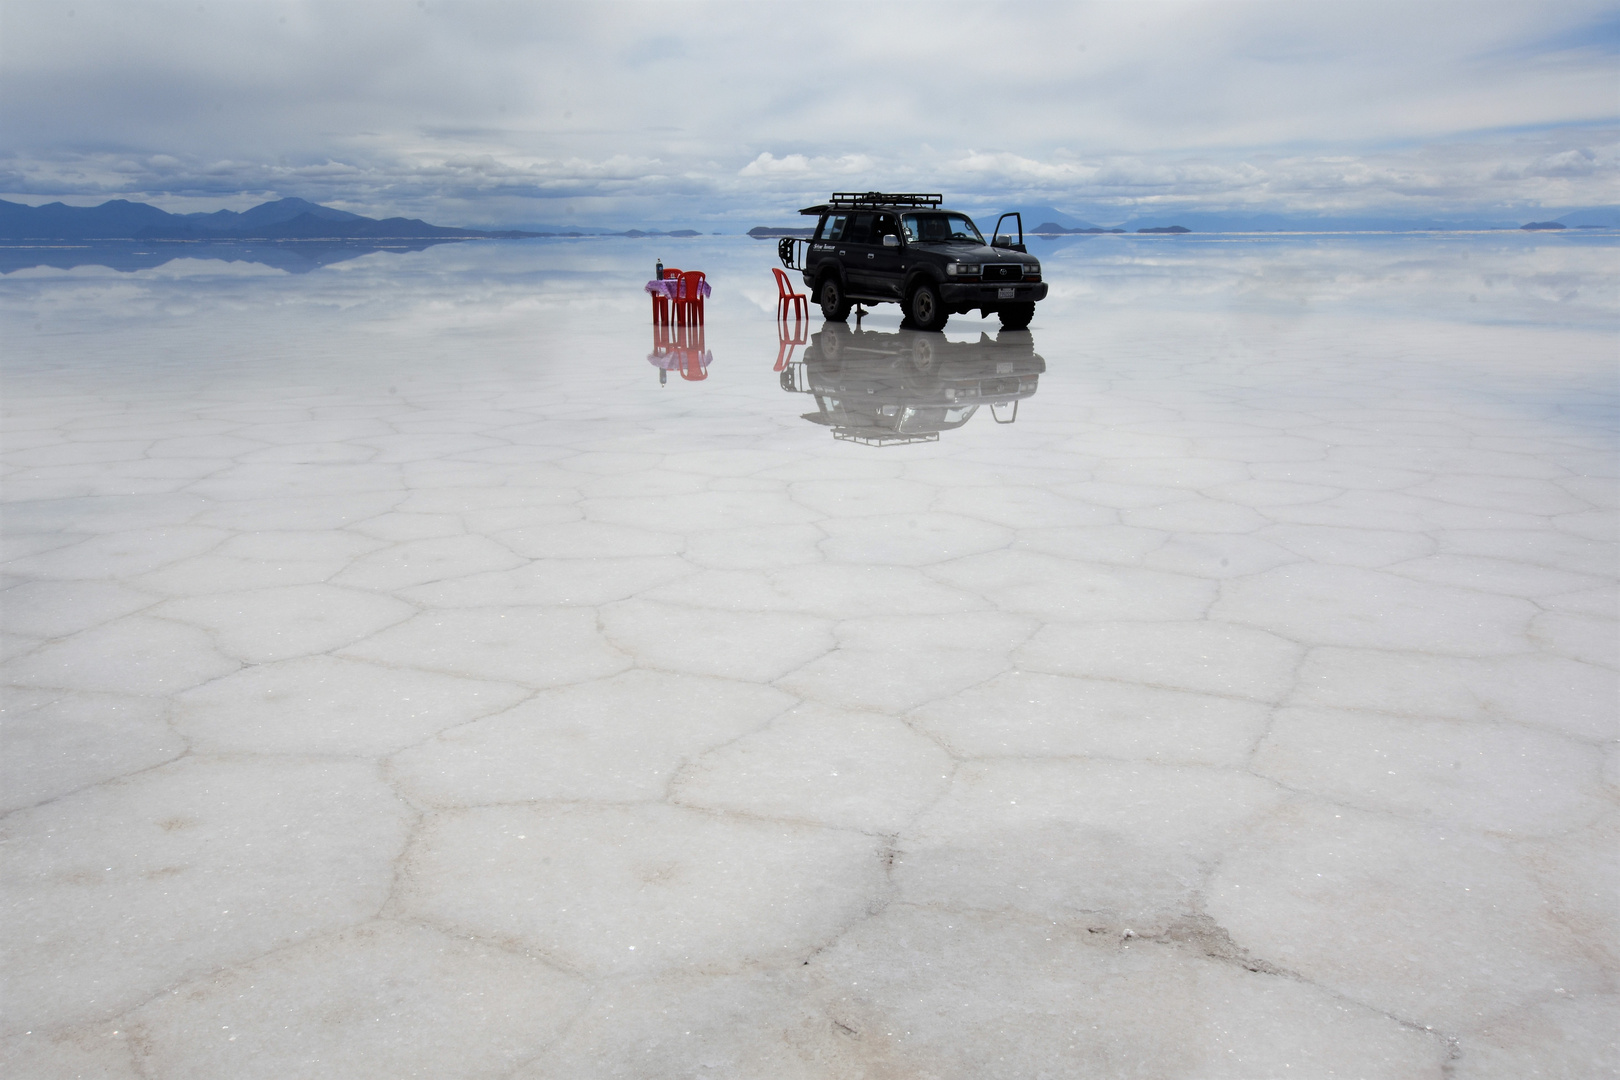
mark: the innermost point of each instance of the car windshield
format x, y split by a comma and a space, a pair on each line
940, 228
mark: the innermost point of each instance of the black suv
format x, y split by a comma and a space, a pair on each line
876, 248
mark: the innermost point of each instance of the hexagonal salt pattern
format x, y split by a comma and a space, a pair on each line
401, 681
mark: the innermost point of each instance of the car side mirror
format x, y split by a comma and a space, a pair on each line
891, 240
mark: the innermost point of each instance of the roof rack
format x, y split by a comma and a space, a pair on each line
878, 198
855, 435
851, 200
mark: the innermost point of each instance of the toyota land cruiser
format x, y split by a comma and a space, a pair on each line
875, 248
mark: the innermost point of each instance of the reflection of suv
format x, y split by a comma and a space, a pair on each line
876, 248
886, 388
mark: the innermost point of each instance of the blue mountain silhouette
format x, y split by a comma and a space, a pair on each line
283, 219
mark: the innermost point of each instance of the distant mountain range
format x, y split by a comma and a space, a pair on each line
593, 230
1052, 228
127, 256
1049, 221
299, 220
1596, 217
1037, 218
1214, 221
283, 219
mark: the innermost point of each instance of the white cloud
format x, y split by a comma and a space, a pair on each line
1013, 167
767, 165
713, 111
799, 167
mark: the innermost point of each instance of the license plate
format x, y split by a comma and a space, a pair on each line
1004, 294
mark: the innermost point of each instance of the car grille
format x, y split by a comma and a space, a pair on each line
1004, 272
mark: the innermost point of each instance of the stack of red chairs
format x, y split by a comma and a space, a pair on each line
661, 302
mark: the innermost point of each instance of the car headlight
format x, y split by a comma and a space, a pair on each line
962, 269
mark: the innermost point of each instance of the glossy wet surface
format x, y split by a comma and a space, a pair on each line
421, 666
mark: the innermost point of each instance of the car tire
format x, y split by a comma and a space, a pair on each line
835, 306
925, 308
1016, 316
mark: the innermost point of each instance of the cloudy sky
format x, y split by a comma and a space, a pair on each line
727, 114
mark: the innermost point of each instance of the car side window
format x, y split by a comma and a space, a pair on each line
832, 227
885, 227
859, 229
926, 228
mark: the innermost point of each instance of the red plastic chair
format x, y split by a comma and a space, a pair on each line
689, 299
786, 296
661, 302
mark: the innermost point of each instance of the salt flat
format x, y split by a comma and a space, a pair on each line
408, 678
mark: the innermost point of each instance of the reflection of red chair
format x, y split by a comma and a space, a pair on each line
786, 296
680, 348
661, 302
785, 344
689, 299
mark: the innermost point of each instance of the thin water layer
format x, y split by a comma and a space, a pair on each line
425, 664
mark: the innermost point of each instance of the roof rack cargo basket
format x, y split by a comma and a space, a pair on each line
850, 199
884, 439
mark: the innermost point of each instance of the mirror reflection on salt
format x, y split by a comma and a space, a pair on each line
885, 388
388, 629
681, 349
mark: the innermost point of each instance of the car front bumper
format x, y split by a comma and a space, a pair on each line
976, 294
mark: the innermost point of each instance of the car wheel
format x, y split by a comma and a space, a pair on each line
1016, 316
835, 306
925, 308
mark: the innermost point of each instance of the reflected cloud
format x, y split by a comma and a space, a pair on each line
886, 388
